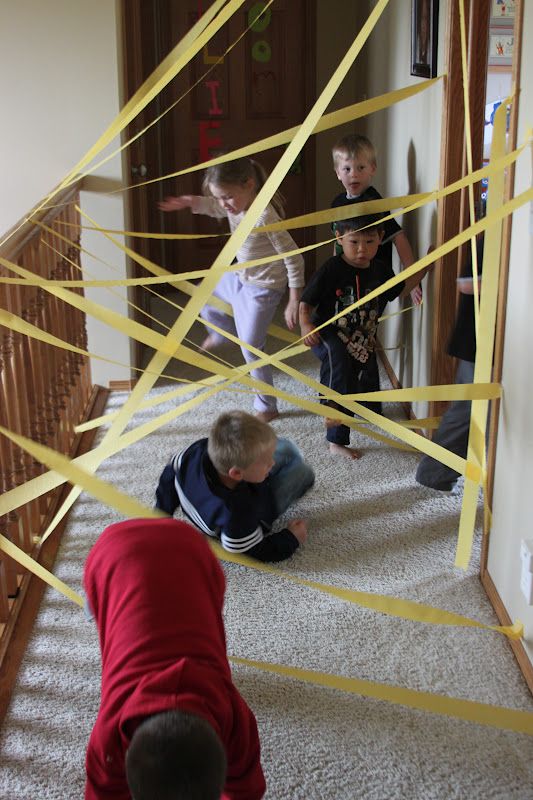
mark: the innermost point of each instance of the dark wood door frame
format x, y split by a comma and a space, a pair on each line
453, 217
453, 210
135, 17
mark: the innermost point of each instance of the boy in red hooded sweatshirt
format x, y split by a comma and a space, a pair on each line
171, 724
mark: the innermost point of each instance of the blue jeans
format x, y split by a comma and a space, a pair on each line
290, 477
340, 372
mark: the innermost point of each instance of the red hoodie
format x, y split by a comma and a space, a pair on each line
156, 591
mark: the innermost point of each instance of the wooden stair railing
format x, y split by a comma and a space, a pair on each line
45, 391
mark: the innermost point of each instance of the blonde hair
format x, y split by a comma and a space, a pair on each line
353, 146
237, 173
237, 440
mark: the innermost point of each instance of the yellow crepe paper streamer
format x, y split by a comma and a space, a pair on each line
447, 699
468, 142
178, 58
485, 341
172, 64
444, 392
11, 321
329, 215
468, 710
510, 719
392, 606
403, 203
98, 488
33, 566
44, 483
327, 121
205, 289
378, 420
220, 59
130, 507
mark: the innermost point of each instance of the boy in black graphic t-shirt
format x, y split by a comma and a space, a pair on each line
346, 347
355, 165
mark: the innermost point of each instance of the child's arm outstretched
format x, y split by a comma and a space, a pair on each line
172, 203
196, 202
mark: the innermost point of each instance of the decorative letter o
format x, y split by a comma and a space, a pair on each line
261, 51
263, 22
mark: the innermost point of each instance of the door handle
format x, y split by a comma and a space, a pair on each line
139, 171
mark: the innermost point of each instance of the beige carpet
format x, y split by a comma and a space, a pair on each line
371, 528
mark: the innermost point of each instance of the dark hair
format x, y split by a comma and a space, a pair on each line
175, 755
371, 222
238, 172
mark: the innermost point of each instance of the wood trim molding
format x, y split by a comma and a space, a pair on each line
122, 386
22, 233
526, 668
18, 628
501, 311
387, 366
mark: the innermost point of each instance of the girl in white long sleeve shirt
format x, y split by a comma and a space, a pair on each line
254, 293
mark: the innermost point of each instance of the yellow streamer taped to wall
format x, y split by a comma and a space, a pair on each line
228, 252
469, 710
507, 718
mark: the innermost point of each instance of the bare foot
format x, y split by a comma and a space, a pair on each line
343, 450
267, 416
211, 342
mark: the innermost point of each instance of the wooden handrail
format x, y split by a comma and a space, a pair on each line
44, 390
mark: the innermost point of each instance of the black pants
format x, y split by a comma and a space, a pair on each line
342, 373
453, 434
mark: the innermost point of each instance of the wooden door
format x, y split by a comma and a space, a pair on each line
263, 86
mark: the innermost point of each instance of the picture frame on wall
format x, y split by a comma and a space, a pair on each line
503, 9
501, 44
424, 33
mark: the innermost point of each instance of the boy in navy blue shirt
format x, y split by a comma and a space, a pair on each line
234, 484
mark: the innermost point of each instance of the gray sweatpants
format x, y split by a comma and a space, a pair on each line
452, 434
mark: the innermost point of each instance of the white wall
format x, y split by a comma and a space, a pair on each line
513, 505
58, 76
407, 139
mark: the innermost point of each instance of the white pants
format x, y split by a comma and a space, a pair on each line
253, 309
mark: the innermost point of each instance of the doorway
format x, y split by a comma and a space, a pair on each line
261, 87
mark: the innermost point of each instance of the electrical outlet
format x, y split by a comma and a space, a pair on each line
526, 585
526, 554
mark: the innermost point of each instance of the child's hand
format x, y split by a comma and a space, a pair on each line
310, 339
291, 314
298, 528
417, 295
175, 203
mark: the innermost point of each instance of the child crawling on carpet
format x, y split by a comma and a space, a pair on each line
171, 722
234, 484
